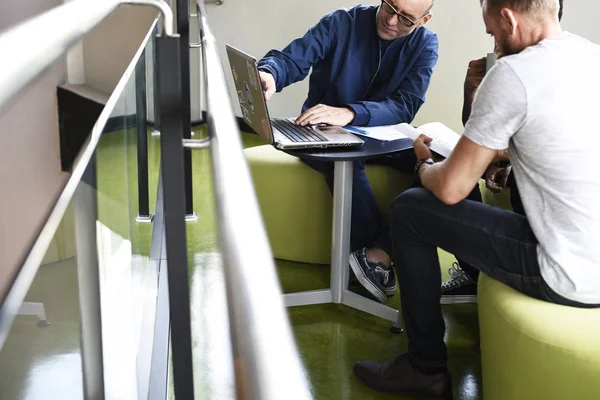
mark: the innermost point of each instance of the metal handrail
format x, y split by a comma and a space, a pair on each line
10, 304
266, 358
83, 15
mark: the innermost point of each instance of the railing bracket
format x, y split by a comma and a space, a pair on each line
196, 144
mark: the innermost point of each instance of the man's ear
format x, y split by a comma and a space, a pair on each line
426, 19
509, 20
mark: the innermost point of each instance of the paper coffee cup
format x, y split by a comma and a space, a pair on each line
490, 61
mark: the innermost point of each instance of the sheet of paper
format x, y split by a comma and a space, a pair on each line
444, 138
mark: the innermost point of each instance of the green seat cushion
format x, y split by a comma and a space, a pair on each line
297, 206
531, 349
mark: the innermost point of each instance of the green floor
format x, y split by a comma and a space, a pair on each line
45, 362
332, 337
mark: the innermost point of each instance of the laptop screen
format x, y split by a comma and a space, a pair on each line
249, 92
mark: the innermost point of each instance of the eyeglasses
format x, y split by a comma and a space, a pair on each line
388, 8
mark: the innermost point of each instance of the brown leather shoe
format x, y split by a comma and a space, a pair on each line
401, 377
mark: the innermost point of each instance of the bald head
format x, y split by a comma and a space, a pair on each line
431, 5
398, 18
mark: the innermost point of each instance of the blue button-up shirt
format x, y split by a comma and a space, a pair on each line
350, 68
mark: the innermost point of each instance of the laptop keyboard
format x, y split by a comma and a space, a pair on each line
297, 133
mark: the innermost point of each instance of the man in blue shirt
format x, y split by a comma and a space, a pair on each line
371, 66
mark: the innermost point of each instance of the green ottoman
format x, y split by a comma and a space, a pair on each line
533, 350
501, 199
297, 206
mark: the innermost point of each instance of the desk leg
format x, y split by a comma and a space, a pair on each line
340, 247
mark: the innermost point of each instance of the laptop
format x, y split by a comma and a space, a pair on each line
282, 133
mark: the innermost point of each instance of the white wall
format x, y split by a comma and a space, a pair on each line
109, 48
581, 17
256, 26
30, 174
75, 67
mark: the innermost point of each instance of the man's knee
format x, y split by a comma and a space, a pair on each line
359, 167
406, 202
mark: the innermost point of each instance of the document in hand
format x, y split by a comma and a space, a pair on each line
444, 138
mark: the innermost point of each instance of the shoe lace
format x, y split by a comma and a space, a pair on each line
457, 277
385, 273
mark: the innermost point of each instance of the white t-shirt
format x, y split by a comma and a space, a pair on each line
543, 105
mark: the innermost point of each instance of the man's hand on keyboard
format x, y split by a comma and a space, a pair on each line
322, 114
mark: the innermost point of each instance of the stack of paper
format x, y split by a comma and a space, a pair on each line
383, 133
444, 138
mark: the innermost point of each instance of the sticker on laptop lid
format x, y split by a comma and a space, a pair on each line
252, 74
241, 97
265, 126
245, 114
249, 99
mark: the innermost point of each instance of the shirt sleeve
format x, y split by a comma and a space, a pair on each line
499, 109
293, 63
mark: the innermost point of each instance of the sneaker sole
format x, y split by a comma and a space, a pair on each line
454, 299
390, 292
367, 284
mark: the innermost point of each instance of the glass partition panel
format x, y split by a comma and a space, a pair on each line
128, 277
99, 235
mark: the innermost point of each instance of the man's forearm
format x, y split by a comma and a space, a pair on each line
390, 111
431, 177
437, 180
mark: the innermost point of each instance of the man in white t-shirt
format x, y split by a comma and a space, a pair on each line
537, 107
462, 286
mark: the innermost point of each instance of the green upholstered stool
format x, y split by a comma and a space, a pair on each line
501, 199
297, 206
533, 350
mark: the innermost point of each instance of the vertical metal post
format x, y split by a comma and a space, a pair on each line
156, 130
342, 214
142, 141
183, 29
168, 51
86, 212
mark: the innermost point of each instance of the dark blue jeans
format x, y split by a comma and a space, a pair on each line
517, 206
366, 220
367, 227
498, 242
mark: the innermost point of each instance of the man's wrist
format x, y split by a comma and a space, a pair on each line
269, 70
361, 114
419, 167
351, 114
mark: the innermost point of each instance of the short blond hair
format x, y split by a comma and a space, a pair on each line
535, 7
